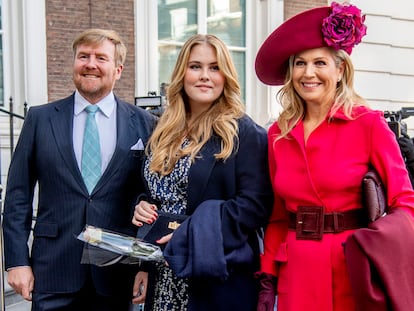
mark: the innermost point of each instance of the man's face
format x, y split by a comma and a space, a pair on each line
95, 71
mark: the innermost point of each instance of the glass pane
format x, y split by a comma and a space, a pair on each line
1, 72
226, 20
177, 19
167, 57
239, 60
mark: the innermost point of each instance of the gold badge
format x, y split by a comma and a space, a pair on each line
173, 225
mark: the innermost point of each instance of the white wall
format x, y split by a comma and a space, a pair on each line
385, 60
25, 69
261, 100
25, 51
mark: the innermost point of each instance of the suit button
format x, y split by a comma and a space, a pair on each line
89, 200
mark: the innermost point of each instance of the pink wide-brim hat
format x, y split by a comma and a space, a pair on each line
300, 32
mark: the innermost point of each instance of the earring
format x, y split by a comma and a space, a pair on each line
339, 79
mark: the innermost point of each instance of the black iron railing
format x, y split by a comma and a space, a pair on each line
13, 115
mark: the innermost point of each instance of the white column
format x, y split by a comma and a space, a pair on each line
35, 52
146, 50
262, 19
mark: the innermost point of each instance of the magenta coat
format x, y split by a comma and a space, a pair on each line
326, 172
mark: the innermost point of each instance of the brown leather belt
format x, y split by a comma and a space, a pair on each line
310, 222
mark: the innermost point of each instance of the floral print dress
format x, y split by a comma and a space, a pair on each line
170, 292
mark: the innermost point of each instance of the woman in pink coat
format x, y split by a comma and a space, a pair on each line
321, 146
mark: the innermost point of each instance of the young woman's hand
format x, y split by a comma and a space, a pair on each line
144, 212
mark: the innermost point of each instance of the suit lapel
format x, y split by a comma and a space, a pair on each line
125, 139
62, 127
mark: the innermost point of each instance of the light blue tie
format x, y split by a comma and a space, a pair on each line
91, 150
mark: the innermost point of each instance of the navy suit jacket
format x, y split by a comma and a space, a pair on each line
44, 154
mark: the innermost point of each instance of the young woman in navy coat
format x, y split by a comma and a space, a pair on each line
206, 159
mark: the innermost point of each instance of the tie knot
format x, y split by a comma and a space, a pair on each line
91, 109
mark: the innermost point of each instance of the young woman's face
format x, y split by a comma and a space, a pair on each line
203, 80
315, 76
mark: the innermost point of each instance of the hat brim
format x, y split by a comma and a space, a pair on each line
299, 33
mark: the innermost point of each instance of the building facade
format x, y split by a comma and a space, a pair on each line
36, 56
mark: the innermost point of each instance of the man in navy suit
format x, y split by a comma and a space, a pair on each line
49, 154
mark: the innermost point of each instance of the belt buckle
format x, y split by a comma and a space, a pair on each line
309, 222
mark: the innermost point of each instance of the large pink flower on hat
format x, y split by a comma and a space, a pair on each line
344, 27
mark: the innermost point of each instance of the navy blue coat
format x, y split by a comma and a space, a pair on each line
217, 246
44, 154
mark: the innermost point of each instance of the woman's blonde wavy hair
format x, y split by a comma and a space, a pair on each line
294, 106
165, 144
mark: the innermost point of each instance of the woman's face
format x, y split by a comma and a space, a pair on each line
315, 76
203, 80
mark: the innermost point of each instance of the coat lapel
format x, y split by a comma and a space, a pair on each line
62, 128
125, 139
200, 173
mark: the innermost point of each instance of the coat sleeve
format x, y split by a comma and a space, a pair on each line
250, 208
277, 227
18, 209
189, 253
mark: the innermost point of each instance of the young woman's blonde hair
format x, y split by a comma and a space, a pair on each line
294, 107
165, 144
95, 36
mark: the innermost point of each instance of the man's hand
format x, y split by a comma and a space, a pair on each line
21, 279
140, 287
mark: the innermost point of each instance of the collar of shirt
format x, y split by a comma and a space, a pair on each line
106, 105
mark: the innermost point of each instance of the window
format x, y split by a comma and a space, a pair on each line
180, 19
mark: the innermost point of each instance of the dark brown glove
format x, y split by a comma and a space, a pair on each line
267, 292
